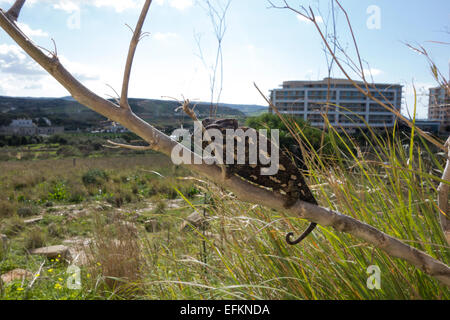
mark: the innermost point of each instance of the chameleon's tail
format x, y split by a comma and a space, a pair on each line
310, 228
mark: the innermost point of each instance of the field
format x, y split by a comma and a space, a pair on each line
128, 211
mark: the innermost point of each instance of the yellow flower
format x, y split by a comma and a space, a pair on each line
99, 264
50, 270
59, 256
52, 260
20, 289
58, 286
37, 275
57, 260
60, 279
88, 275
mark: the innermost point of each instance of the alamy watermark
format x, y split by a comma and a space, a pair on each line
74, 277
374, 20
74, 20
239, 140
374, 280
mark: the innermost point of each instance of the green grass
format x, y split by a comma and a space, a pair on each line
388, 180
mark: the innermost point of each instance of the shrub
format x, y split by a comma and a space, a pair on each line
27, 211
59, 192
77, 194
95, 177
57, 139
55, 230
116, 200
12, 226
161, 207
35, 238
7, 208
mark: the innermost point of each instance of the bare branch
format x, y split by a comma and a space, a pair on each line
131, 52
218, 22
36, 276
14, 12
189, 111
127, 146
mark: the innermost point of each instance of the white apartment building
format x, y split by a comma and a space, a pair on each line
22, 123
308, 100
439, 107
26, 127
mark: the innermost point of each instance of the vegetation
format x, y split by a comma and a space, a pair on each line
319, 140
73, 116
110, 200
240, 253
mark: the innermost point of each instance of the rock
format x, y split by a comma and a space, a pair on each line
52, 252
152, 225
174, 204
33, 220
98, 206
76, 242
195, 219
16, 274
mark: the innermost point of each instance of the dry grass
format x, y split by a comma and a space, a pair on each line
115, 256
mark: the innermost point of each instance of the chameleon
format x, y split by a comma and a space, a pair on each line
288, 181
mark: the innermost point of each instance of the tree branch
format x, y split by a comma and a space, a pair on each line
132, 50
127, 146
243, 190
14, 12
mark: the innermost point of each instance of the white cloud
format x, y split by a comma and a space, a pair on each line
119, 5
177, 4
31, 32
301, 18
13, 60
80, 71
70, 6
373, 72
67, 6
181, 4
164, 36
20, 75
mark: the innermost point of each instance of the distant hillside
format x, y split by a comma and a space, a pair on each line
248, 109
72, 115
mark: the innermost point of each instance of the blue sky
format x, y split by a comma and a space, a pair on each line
266, 46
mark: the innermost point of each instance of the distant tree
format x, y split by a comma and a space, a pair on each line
57, 139
272, 121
